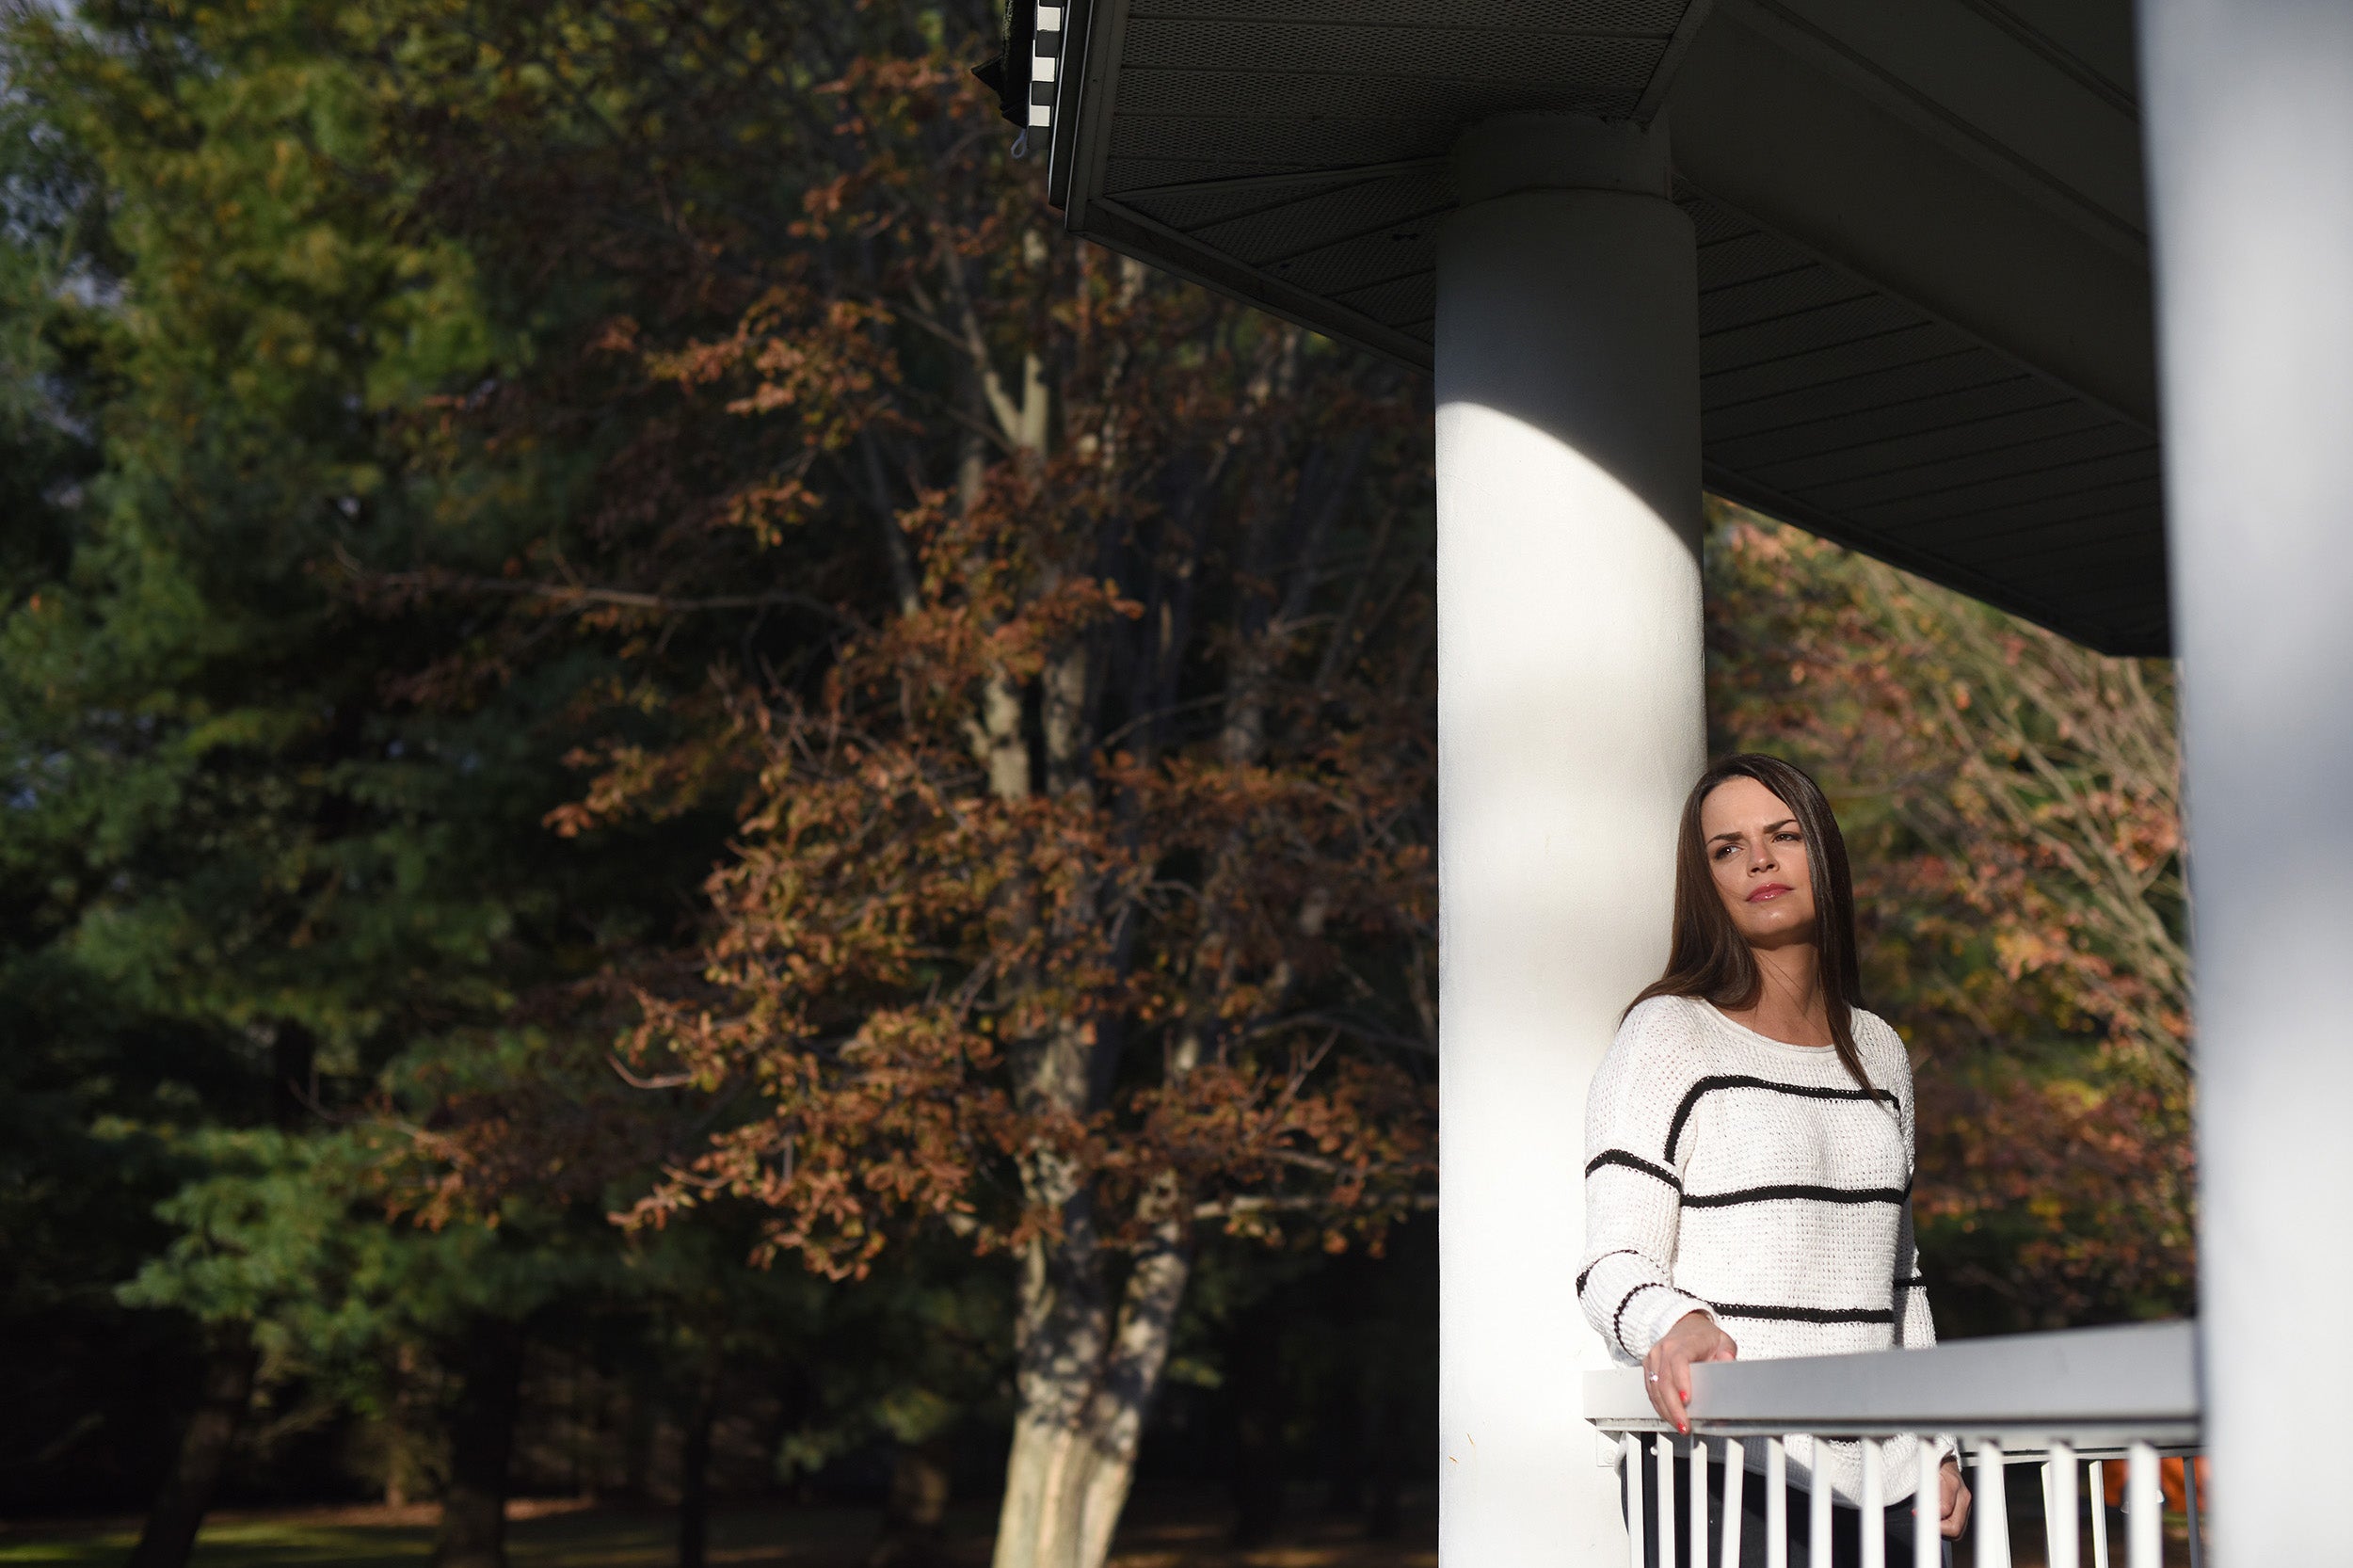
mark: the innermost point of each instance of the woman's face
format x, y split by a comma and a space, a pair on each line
1757, 855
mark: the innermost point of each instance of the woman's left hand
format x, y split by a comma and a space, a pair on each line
1953, 1499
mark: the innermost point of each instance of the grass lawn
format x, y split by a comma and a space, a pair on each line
1160, 1532
537, 1537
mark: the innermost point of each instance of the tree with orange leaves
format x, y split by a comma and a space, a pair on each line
2015, 803
1079, 733
1086, 897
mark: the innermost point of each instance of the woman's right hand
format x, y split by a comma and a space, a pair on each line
1667, 1369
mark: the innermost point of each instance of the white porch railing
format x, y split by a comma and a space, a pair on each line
2073, 1402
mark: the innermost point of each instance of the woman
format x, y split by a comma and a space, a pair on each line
1749, 1143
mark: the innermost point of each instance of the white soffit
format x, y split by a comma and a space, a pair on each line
1925, 302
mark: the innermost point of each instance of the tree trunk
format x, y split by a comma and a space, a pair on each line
1086, 1385
294, 1087
1258, 1477
472, 1531
1380, 1448
693, 1478
1086, 1373
640, 1424
915, 1516
186, 1494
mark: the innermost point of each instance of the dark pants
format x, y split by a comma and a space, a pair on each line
1845, 1523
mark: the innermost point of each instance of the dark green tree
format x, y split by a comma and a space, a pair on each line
278, 838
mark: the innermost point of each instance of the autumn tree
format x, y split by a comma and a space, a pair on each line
2016, 802
701, 390
1079, 733
1058, 911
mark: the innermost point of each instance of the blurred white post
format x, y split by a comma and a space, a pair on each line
2062, 1548
1698, 1514
1991, 1509
1570, 725
2144, 1510
2247, 112
1666, 1500
1630, 1467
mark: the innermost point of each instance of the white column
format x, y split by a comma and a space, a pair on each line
2249, 127
1569, 728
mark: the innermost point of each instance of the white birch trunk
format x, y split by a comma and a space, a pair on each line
1086, 1386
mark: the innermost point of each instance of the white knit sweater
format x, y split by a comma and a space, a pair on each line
1755, 1181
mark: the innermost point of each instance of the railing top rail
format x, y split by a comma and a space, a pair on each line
2141, 1380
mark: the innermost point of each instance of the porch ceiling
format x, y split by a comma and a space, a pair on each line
1925, 307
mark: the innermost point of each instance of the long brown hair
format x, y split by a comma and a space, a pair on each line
1709, 958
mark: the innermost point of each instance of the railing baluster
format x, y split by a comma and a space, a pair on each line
2071, 1484
1992, 1509
1666, 1501
1632, 1445
2144, 1509
2189, 1496
1736, 1476
2129, 1418
1874, 1505
1928, 1503
2099, 1515
1698, 1514
2058, 1507
1818, 1512
2049, 1519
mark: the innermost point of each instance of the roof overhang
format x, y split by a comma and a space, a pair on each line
1925, 302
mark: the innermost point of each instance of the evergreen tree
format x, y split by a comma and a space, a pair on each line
272, 875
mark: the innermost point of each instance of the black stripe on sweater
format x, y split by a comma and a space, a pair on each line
1805, 1313
1794, 1190
1627, 1251
1617, 1318
1916, 1281
1633, 1162
1742, 1081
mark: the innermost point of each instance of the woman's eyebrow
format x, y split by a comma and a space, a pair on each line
1736, 833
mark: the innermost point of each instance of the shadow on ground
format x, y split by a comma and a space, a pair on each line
1163, 1531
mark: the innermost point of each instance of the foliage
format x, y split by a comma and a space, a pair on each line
600, 620
1079, 759
263, 884
2015, 801
451, 370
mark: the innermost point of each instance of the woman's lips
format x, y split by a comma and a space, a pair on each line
1770, 890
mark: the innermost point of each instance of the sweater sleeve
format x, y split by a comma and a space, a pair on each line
1915, 1326
1634, 1185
